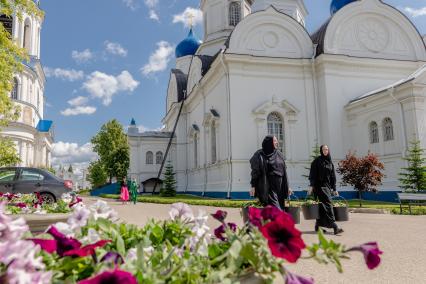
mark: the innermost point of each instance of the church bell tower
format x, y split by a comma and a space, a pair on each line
220, 18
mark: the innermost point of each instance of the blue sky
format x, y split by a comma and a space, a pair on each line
110, 59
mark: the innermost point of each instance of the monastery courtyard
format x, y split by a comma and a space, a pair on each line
401, 238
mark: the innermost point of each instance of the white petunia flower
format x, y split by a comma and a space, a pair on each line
181, 211
79, 217
65, 229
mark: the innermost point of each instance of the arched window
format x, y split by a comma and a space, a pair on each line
213, 142
149, 158
158, 157
195, 150
387, 129
276, 128
374, 132
27, 35
234, 13
15, 89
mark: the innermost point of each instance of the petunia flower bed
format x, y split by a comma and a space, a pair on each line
93, 247
33, 204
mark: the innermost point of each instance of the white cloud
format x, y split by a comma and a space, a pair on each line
115, 48
65, 154
153, 16
64, 74
104, 86
131, 4
185, 17
78, 110
159, 59
152, 4
82, 56
78, 101
415, 12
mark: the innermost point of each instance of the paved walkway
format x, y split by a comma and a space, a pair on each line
402, 238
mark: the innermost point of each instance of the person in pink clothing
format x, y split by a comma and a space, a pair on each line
124, 193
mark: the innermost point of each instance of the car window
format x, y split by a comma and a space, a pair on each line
30, 175
7, 175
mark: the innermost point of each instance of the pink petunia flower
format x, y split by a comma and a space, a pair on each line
371, 253
220, 231
255, 216
297, 279
284, 240
220, 215
111, 277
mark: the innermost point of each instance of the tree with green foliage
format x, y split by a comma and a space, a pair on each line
314, 154
8, 154
97, 175
113, 149
414, 176
11, 57
169, 184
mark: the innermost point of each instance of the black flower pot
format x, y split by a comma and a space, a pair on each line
341, 214
310, 211
294, 211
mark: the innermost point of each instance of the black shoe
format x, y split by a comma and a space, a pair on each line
338, 231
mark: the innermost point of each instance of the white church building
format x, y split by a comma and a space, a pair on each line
357, 84
32, 134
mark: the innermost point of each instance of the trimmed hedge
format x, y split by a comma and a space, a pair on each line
189, 199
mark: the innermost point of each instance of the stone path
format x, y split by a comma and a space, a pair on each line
402, 238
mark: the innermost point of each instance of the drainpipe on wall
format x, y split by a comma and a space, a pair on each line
403, 125
314, 81
228, 92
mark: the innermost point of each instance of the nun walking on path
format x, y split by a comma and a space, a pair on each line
269, 180
322, 179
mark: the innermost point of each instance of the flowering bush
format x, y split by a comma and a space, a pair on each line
92, 247
33, 203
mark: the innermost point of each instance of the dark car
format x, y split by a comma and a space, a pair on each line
29, 180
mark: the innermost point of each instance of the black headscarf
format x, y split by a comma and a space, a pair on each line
268, 145
328, 157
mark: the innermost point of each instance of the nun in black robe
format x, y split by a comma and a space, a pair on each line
269, 174
322, 179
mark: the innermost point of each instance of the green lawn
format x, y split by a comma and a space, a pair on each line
233, 203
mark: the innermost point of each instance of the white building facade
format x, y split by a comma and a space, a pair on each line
32, 134
356, 84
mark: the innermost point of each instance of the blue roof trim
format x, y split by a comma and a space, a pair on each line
44, 125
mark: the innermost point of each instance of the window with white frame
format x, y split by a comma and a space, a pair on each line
276, 128
149, 158
27, 35
374, 132
15, 89
234, 13
213, 142
195, 150
387, 129
158, 157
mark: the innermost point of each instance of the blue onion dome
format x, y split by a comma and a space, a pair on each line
188, 46
336, 5
133, 122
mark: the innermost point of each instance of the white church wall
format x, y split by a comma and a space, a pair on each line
283, 90
343, 79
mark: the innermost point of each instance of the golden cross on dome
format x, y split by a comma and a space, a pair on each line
190, 17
